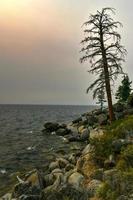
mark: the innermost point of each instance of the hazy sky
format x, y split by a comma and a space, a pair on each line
39, 49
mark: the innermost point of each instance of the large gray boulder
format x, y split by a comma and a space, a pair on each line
85, 133
92, 119
74, 137
77, 120
102, 119
51, 126
62, 131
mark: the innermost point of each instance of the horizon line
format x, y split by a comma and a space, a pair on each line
37, 104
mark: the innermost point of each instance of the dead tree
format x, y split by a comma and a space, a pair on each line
102, 47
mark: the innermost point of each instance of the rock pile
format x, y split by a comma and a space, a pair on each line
84, 174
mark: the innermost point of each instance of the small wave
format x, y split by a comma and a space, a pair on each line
30, 132
53, 133
3, 171
31, 148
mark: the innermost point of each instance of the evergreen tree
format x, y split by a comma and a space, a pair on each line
101, 98
124, 89
102, 47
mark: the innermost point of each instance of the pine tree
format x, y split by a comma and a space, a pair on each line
102, 47
124, 89
101, 98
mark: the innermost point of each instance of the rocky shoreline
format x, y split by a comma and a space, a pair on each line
93, 169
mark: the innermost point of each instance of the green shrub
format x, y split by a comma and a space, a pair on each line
130, 100
122, 165
127, 154
122, 185
105, 192
103, 145
103, 148
119, 128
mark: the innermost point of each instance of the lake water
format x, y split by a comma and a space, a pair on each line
22, 144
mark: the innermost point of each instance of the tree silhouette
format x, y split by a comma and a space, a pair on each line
102, 47
124, 89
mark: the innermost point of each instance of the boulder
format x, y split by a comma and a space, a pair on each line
63, 126
57, 171
85, 165
81, 128
49, 179
91, 119
35, 180
74, 137
54, 165
88, 149
102, 119
96, 133
84, 121
76, 180
72, 128
51, 126
84, 134
62, 131
77, 120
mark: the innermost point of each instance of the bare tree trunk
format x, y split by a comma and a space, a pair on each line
107, 79
108, 90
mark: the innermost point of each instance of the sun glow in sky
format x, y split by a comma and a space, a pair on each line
39, 49
13, 4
